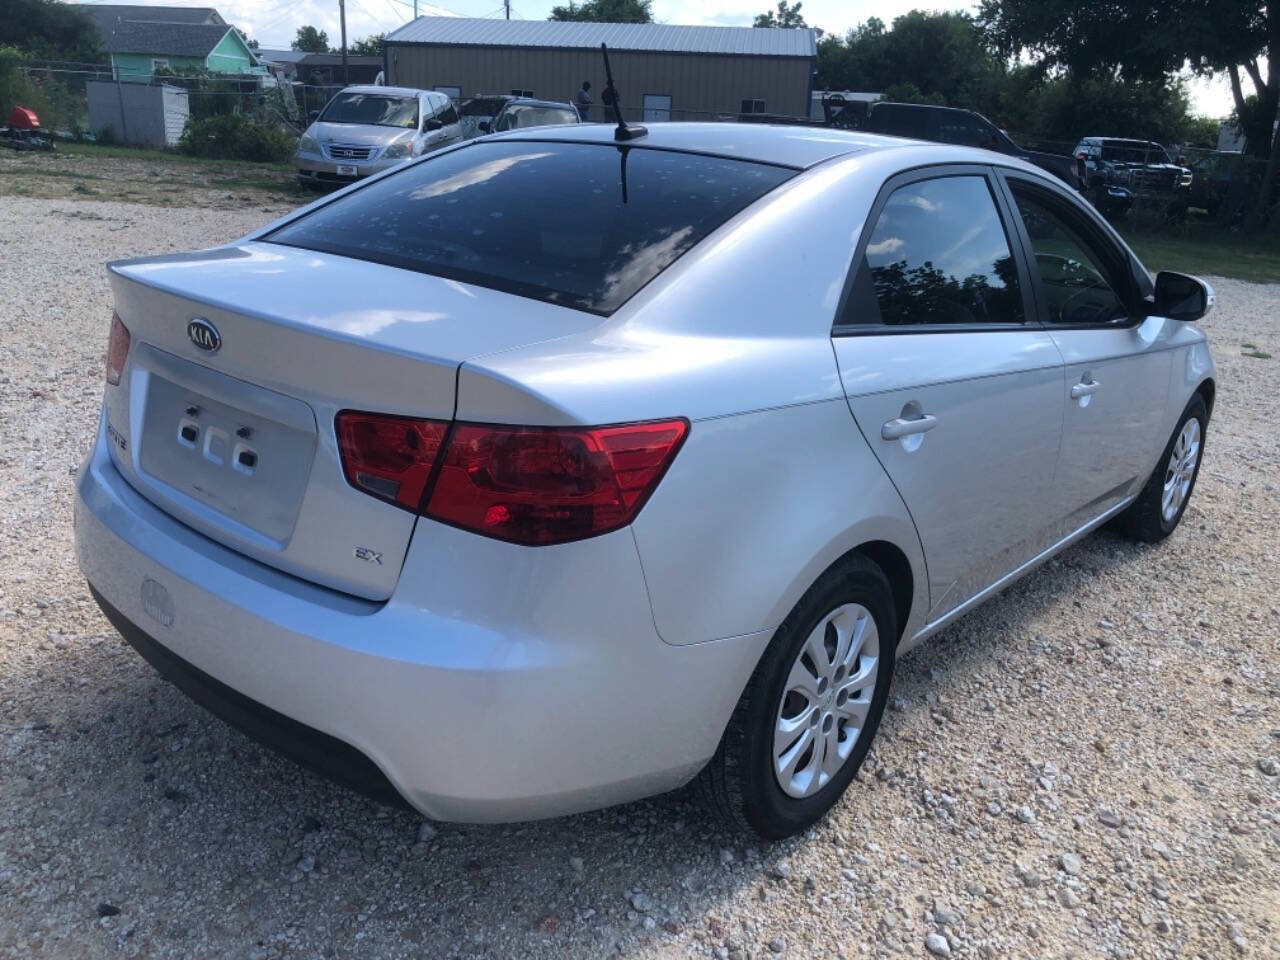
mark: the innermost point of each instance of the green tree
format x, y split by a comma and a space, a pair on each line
1150, 40
370, 46
787, 15
606, 11
49, 29
942, 56
311, 40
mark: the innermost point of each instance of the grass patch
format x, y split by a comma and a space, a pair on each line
1211, 250
95, 150
1257, 354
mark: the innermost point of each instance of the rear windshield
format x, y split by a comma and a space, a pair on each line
582, 225
514, 118
372, 108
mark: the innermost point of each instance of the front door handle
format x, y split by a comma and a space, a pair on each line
898, 428
1084, 389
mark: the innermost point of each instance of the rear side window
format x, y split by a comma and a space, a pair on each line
938, 254
582, 225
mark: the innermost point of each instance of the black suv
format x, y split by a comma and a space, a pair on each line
963, 127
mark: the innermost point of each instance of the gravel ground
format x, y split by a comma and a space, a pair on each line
1084, 767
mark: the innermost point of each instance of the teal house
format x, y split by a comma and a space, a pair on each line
142, 40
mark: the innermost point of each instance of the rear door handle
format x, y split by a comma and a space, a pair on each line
898, 428
1084, 389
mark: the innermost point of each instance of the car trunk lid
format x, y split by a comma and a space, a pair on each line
229, 426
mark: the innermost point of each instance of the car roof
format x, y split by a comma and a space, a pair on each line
784, 144
389, 91
533, 102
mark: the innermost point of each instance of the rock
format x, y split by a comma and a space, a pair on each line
974, 889
1164, 926
1068, 898
1109, 818
943, 915
1071, 864
1030, 879
849, 874
1026, 814
780, 870
576, 864
641, 902
938, 945
994, 809
777, 945
1269, 766
726, 855
426, 832
898, 705
108, 910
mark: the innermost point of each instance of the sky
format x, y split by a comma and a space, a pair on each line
273, 22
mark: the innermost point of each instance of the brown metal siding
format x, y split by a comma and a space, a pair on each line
700, 86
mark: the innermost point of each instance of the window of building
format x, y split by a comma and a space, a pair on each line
453, 93
522, 93
657, 107
753, 106
158, 63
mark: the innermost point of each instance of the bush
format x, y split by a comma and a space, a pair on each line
235, 136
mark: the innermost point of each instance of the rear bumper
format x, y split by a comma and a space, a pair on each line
497, 683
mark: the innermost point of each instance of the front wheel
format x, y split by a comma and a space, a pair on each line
805, 722
1162, 502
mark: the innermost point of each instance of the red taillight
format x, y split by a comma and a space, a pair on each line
389, 457
528, 485
117, 350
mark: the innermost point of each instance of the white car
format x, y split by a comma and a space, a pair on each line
364, 130
555, 470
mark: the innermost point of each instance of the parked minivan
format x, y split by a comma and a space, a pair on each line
366, 129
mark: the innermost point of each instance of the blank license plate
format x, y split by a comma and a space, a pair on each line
346, 169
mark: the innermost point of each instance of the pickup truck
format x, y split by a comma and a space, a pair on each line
1117, 170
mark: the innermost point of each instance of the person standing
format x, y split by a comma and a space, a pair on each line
582, 100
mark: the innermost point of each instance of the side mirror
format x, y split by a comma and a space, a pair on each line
433, 124
1182, 297
314, 115
485, 126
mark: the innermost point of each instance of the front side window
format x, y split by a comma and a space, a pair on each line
1073, 278
581, 225
448, 114
938, 255
377, 110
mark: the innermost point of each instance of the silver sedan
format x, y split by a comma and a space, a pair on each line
555, 470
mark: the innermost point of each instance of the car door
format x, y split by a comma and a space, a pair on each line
1118, 361
956, 387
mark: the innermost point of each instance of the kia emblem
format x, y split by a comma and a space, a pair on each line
204, 335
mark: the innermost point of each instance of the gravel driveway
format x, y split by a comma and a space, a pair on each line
1086, 766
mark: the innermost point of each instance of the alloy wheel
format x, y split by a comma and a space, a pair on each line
826, 700
1181, 469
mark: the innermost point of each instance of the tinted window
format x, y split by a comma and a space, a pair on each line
1073, 278
448, 114
938, 254
376, 109
900, 121
965, 130
544, 220
1133, 151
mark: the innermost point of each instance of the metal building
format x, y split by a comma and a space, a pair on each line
663, 72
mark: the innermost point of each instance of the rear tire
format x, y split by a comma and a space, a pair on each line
848, 617
1160, 506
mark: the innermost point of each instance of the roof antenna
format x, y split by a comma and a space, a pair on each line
622, 132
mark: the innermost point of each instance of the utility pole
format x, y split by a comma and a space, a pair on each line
506, 6
342, 16
415, 9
